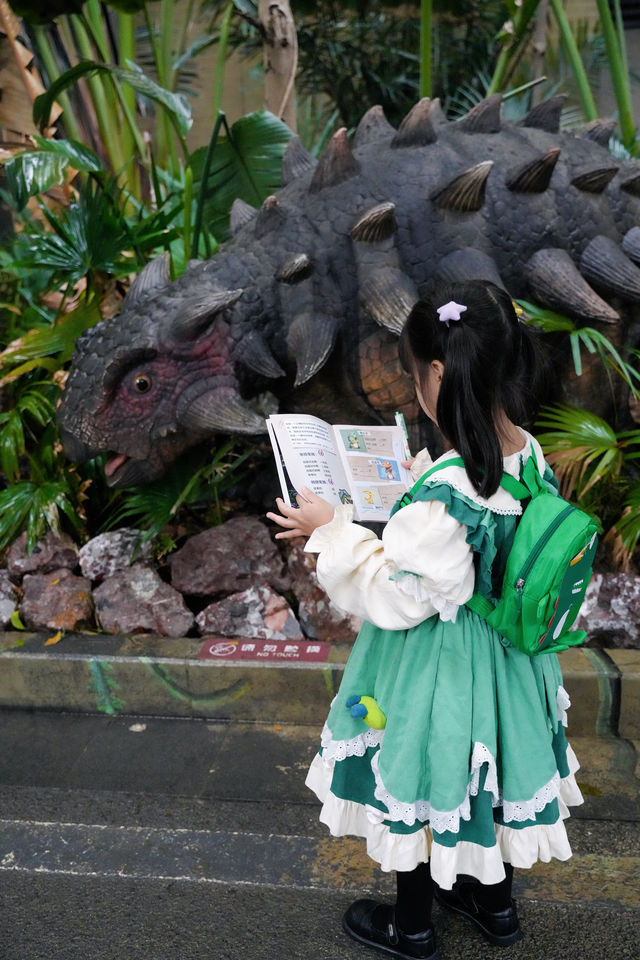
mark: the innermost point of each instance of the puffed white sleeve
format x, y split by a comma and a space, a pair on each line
422, 566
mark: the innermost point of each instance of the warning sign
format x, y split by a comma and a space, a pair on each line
219, 648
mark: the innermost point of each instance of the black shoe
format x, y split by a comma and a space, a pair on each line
500, 927
375, 924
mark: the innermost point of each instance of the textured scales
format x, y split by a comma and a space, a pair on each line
308, 297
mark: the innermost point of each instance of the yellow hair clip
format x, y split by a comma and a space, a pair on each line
519, 311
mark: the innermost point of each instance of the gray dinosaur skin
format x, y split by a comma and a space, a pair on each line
337, 258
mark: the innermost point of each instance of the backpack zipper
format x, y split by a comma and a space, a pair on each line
533, 556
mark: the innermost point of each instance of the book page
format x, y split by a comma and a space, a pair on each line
372, 456
307, 456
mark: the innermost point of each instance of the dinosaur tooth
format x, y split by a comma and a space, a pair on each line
221, 409
153, 278
270, 216
295, 268
197, 315
253, 351
595, 180
469, 263
241, 213
376, 224
296, 161
336, 164
546, 115
484, 117
632, 184
465, 193
604, 264
373, 126
554, 280
310, 340
631, 244
417, 129
535, 176
599, 131
388, 295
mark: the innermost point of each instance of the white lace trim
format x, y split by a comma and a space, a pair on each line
337, 750
413, 585
323, 536
563, 703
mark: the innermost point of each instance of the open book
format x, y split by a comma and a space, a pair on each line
341, 463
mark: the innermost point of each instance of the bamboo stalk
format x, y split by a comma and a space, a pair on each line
221, 61
619, 77
126, 52
50, 64
426, 61
504, 65
584, 89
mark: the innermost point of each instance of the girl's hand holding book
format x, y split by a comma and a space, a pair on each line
312, 511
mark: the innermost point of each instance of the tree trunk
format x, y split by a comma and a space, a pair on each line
280, 55
540, 47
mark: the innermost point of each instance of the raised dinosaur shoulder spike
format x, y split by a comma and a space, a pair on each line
336, 164
376, 224
546, 115
436, 113
465, 193
417, 129
535, 176
604, 264
632, 184
296, 161
219, 409
153, 278
595, 181
271, 215
241, 213
631, 244
295, 268
374, 126
197, 315
484, 117
469, 263
310, 340
554, 281
254, 353
599, 131
388, 295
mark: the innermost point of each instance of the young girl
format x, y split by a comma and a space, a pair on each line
463, 771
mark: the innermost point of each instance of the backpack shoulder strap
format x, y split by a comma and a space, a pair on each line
519, 491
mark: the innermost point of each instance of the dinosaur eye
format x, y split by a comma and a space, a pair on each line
142, 383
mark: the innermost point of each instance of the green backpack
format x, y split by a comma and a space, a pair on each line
548, 568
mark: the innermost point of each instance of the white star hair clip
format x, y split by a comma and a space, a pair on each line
450, 311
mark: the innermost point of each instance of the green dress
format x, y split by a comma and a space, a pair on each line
473, 768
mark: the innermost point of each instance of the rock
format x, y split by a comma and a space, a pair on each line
109, 552
257, 612
51, 553
8, 599
610, 612
228, 559
137, 600
319, 617
56, 601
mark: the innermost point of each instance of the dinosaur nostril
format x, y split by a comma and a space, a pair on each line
75, 449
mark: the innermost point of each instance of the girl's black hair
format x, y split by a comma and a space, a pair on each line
490, 363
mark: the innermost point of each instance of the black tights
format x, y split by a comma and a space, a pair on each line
415, 896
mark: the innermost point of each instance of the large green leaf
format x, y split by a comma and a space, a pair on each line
57, 339
246, 165
35, 171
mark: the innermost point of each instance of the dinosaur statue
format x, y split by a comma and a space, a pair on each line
306, 300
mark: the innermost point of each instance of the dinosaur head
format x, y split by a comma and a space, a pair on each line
156, 381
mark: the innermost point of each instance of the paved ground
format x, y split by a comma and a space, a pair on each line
138, 838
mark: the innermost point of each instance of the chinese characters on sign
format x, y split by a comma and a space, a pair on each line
219, 648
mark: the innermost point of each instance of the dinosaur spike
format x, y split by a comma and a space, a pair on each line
374, 126
378, 223
554, 281
631, 244
296, 161
535, 176
599, 131
436, 114
241, 213
254, 353
632, 185
221, 409
595, 181
336, 164
295, 268
270, 216
310, 341
604, 264
388, 295
198, 315
416, 130
546, 115
466, 192
484, 117
468, 263
155, 276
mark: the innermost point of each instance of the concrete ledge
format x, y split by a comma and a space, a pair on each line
164, 677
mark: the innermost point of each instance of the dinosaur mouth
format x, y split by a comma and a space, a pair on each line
113, 464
